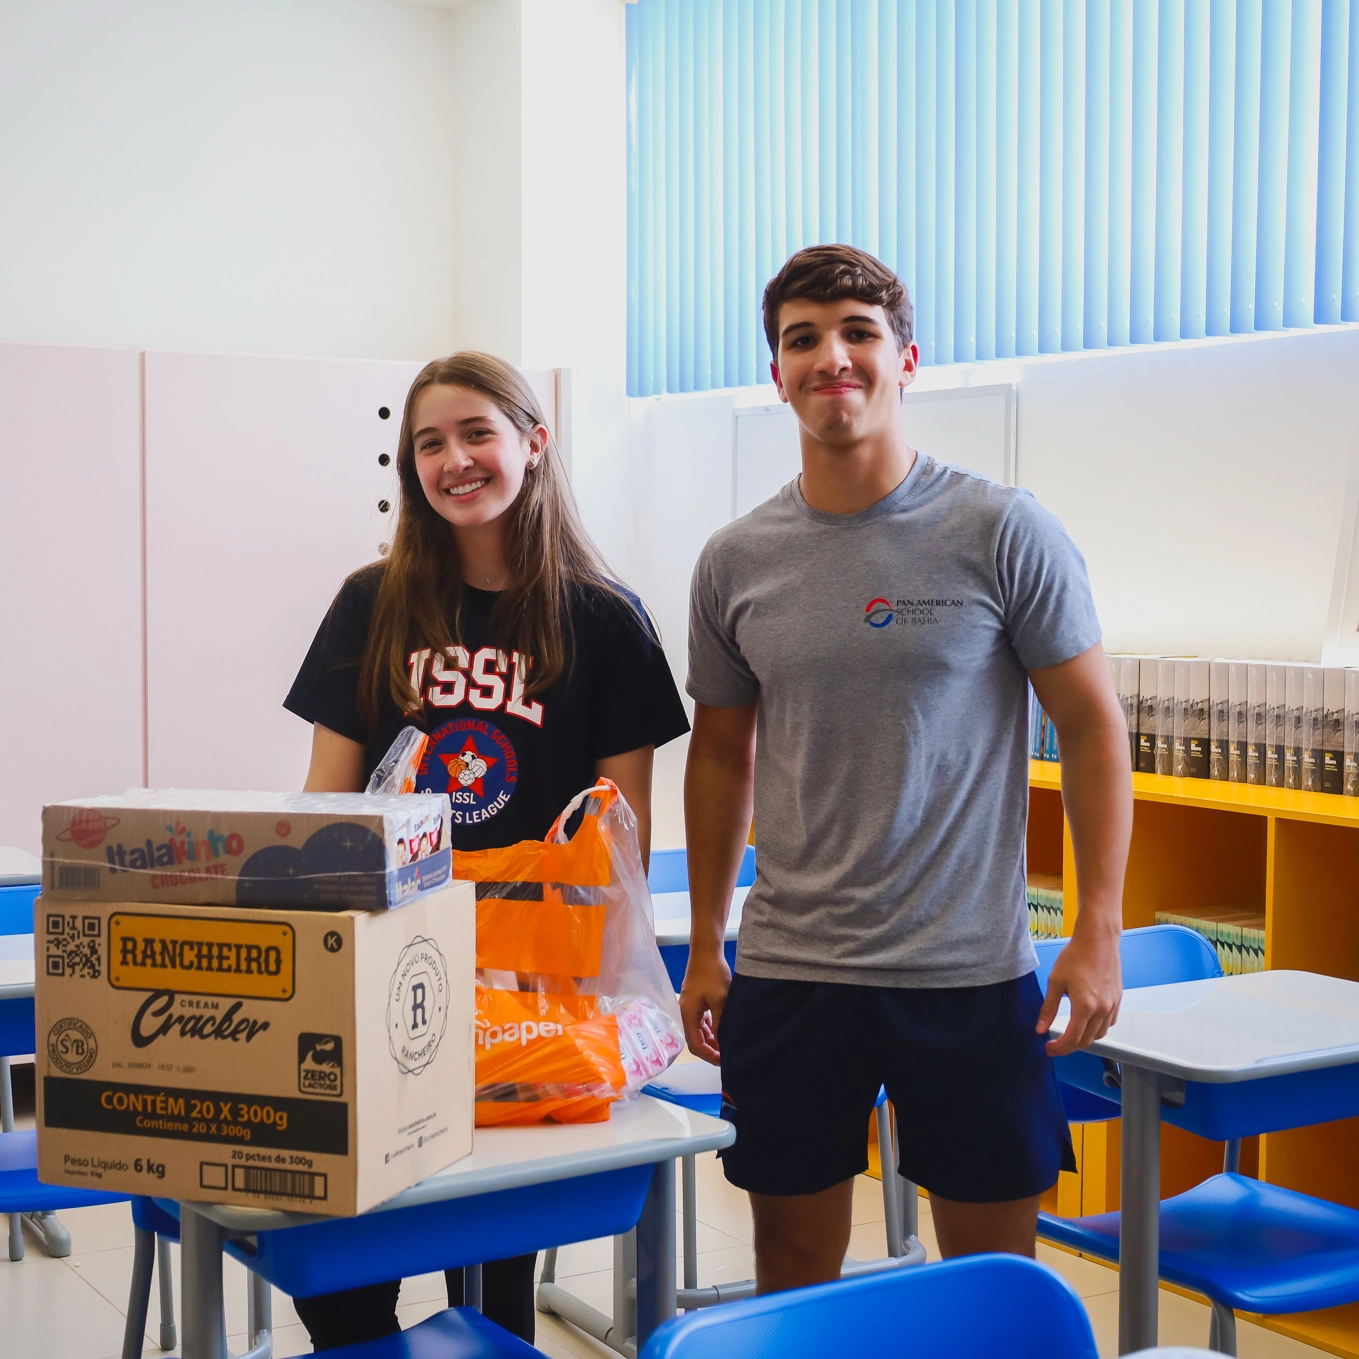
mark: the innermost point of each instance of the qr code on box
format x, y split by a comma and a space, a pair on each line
73, 945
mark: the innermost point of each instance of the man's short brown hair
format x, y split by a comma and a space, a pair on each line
827, 273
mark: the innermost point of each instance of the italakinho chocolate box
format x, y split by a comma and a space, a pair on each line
300, 1060
317, 851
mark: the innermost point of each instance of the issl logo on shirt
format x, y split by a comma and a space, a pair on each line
475, 763
919, 613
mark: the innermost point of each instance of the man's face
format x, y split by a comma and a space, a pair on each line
839, 367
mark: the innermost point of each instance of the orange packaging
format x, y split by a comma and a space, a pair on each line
574, 1009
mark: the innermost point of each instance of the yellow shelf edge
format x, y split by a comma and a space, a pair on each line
1322, 808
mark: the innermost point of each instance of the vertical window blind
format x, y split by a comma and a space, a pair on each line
1045, 175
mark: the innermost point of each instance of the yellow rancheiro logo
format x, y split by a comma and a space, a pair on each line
202, 957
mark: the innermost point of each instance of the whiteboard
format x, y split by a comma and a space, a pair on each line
70, 563
969, 427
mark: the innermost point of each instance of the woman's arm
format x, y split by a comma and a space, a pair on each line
632, 773
336, 763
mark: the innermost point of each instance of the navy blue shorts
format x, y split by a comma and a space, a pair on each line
978, 1113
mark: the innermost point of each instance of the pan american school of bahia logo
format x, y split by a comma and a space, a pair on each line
878, 613
917, 613
473, 762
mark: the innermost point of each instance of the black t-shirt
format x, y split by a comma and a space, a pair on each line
509, 761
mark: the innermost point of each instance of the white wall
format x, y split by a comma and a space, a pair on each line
1210, 485
259, 176
70, 579
541, 273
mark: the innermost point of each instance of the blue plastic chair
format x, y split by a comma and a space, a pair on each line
669, 872
21, 1193
16, 907
1151, 956
976, 1308
1240, 1243
457, 1333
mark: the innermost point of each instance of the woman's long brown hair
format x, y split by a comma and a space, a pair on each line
548, 553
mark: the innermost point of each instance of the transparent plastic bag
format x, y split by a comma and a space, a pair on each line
396, 773
575, 1010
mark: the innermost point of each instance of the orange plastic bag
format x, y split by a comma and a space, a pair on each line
575, 1010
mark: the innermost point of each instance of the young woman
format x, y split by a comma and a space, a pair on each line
494, 626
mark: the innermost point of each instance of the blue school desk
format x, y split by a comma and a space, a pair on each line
521, 1189
1224, 1058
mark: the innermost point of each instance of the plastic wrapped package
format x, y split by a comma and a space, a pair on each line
396, 773
216, 847
574, 1007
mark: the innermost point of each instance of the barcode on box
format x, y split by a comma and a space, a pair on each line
280, 1184
77, 878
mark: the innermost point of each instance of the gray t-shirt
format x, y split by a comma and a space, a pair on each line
888, 652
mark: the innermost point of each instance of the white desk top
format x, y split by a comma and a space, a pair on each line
19, 868
1235, 1028
641, 1132
16, 966
671, 910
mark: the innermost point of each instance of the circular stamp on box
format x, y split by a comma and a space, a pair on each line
71, 1046
417, 1006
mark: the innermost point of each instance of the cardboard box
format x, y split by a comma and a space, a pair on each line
316, 1062
323, 851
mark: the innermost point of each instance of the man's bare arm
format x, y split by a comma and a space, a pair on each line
719, 790
1092, 734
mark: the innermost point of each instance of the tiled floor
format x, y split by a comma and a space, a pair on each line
74, 1308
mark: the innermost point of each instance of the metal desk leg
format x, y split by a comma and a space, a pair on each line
689, 1183
655, 1254
471, 1287
16, 1229
909, 1193
169, 1338
1139, 1246
143, 1262
891, 1190
200, 1266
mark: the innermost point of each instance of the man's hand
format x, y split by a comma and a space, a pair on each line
706, 982
1089, 972
1097, 797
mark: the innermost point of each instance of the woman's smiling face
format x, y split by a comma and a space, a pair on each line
468, 454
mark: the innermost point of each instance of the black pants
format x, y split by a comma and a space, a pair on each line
336, 1319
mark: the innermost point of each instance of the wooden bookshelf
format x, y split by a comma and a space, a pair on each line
1198, 844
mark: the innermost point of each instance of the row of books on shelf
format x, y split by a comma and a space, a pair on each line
1272, 723
1238, 935
1045, 906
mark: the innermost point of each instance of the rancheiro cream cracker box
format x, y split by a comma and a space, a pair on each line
318, 851
316, 1062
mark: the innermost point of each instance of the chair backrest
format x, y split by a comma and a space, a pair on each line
975, 1308
16, 908
1152, 956
669, 870
17, 1036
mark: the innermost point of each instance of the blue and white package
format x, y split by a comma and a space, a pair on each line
311, 851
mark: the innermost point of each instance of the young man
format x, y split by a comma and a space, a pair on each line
860, 652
